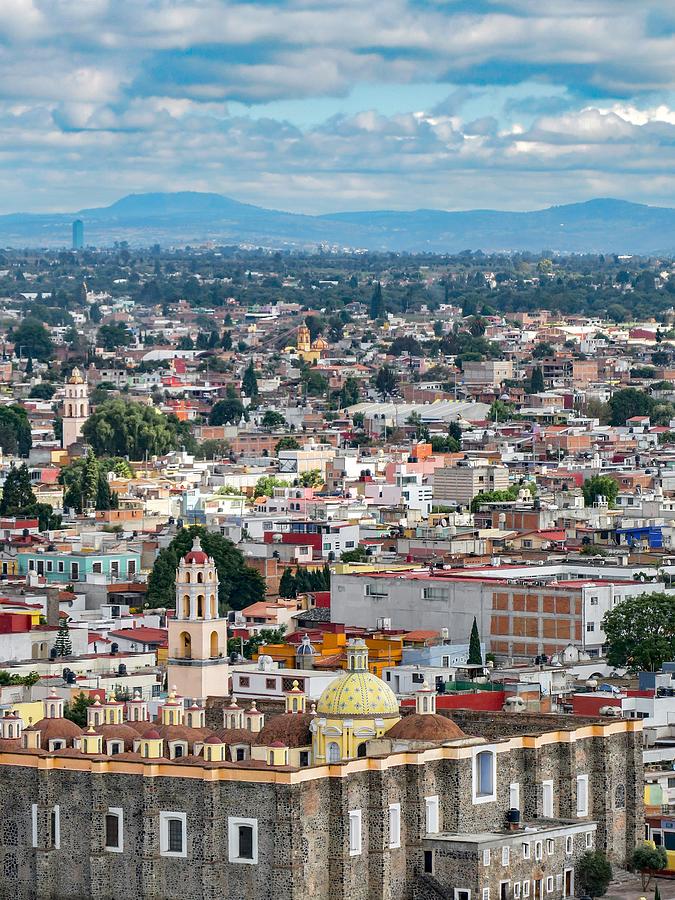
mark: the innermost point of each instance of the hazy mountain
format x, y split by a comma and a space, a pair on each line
611, 226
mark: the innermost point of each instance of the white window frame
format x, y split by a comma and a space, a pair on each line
549, 884
538, 850
34, 823
547, 799
486, 893
506, 856
589, 840
394, 826
118, 812
483, 798
516, 890
550, 846
486, 856
527, 852
459, 891
432, 815
526, 889
233, 823
582, 796
569, 845
355, 833
164, 818
56, 810
514, 795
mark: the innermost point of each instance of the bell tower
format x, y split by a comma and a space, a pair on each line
198, 662
75, 408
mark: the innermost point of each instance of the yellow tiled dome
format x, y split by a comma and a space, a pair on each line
357, 694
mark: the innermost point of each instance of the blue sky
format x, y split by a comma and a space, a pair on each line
310, 106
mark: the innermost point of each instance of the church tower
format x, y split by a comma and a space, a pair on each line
198, 663
75, 408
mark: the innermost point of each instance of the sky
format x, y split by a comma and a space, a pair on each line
317, 107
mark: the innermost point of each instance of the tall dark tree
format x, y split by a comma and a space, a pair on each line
17, 492
536, 380
63, 644
475, 654
249, 383
386, 381
287, 586
377, 302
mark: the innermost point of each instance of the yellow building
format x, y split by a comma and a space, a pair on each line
310, 351
352, 710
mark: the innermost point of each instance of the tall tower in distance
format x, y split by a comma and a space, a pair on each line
198, 663
78, 234
75, 408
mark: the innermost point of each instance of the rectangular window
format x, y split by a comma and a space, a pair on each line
590, 626
526, 850
484, 776
131, 567
486, 856
50, 565
242, 840
113, 830
355, 832
429, 869
172, 834
34, 823
506, 855
538, 851
547, 799
61, 566
244, 681
304, 756
55, 828
270, 684
394, 825
486, 893
550, 846
549, 884
514, 795
115, 567
432, 819
589, 839
526, 889
582, 795
74, 571
97, 568
516, 890
569, 845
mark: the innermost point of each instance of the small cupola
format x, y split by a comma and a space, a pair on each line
295, 698
95, 714
357, 655
254, 719
11, 725
277, 754
215, 750
53, 706
233, 715
91, 743
172, 710
151, 745
137, 709
425, 701
195, 717
113, 711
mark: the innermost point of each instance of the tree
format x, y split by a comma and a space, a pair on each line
477, 326
600, 486
213, 448
386, 381
475, 656
63, 644
542, 350
350, 392
312, 478
647, 859
239, 585
627, 403
287, 586
594, 872
264, 487
640, 631
272, 419
444, 444
315, 383
536, 380
32, 339
114, 335
123, 428
43, 391
15, 430
17, 492
249, 383
227, 412
358, 554
500, 411
76, 710
286, 443
377, 302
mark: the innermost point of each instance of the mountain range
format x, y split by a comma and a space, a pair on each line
178, 219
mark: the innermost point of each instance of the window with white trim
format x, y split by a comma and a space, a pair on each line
547, 799
506, 856
55, 828
582, 795
526, 850
484, 768
242, 840
514, 795
569, 845
516, 890
550, 846
462, 894
355, 832
114, 840
549, 884
589, 839
538, 851
34, 824
431, 815
394, 825
173, 834
486, 856
486, 893
526, 889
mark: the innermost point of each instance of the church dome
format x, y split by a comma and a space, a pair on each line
426, 728
76, 377
357, 692
196, 555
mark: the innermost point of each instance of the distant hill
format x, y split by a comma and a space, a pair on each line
600, 226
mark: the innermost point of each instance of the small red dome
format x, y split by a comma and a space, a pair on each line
151, 735
213, 740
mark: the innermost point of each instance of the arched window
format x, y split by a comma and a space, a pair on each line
200, 577
178, 751
189, 720
187, 578
186, 606
361, 750
200, 606
185, 644
10, 730
484, 774
333, 752
214, 644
